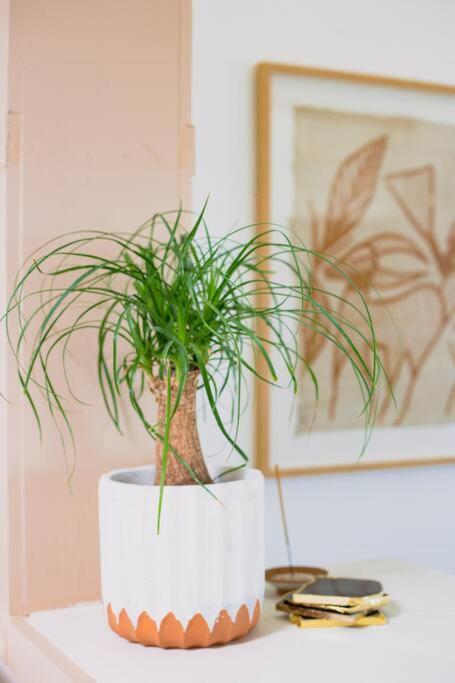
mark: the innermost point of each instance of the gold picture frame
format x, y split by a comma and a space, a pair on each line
265, 72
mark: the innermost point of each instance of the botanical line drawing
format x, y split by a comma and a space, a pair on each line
412, 270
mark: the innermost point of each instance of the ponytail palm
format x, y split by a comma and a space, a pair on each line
175, 310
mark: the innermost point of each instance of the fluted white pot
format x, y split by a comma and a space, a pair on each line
200, 581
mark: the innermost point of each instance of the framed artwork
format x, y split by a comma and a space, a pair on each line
362, 168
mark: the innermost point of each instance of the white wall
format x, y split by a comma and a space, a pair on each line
406, 513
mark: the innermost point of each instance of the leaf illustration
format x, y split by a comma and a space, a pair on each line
449, 256
312, 343
401, 343
414, 191
388, 262
352, 189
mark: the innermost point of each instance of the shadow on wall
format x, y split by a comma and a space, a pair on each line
5, 674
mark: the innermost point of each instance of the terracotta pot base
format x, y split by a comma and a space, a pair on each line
171, 634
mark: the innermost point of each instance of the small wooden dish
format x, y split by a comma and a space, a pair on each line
286, 579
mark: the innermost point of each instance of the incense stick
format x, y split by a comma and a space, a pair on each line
283, 515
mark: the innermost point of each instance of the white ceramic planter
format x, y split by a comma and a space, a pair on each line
200, 581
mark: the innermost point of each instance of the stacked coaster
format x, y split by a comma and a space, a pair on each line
329, 602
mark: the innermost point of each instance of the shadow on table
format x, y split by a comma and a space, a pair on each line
275, 622
265, 627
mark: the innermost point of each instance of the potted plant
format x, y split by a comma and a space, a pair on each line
175, 311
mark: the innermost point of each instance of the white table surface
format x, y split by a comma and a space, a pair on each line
417, 645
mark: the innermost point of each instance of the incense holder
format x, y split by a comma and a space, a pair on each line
285, 579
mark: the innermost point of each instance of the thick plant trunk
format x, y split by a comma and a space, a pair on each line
183, 435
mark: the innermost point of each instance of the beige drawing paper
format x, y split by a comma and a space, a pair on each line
379, 193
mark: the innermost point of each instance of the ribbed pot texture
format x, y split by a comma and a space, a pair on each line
200, 581
183, 434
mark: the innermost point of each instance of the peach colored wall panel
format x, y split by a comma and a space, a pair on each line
99, 96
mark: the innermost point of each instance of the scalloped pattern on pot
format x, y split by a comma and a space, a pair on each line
171, 633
